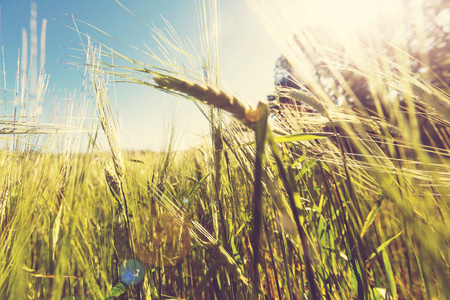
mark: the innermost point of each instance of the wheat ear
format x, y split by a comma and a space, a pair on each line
217, 98
306, 98
64, 173
113, 182
3, 202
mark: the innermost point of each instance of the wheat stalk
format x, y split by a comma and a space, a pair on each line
122, 232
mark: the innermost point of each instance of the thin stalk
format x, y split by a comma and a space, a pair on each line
290, 189
260, 136
269, 243
283, 252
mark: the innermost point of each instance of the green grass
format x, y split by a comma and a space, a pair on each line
334, 204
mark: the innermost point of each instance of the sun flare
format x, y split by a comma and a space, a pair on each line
344, 16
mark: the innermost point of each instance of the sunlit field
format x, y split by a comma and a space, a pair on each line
337, 186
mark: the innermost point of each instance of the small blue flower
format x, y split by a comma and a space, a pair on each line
131, 272
185, 201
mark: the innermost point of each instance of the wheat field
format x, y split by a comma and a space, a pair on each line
336, 188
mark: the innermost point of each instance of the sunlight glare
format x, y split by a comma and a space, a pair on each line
344, 16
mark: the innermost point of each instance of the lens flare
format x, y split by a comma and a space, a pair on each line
131, 272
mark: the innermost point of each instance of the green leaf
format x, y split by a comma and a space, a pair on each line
305, 168
236, 255
301, 137
198, 185
384, 245
116, 291
319, 208
325, 167
370, 218
244, 224
380, 292
389, 274
299, 160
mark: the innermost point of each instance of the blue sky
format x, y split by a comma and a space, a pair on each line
248, 57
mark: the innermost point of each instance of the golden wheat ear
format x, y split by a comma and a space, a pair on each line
217, 98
